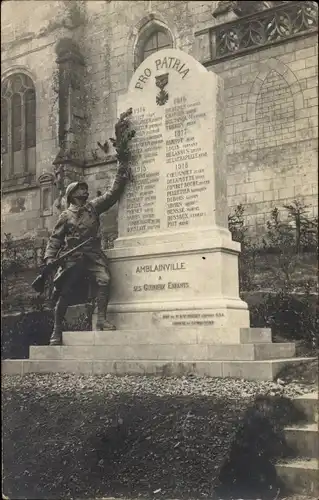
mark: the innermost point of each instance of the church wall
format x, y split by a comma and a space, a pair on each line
40, 65
272, 128
271, 157
28, 46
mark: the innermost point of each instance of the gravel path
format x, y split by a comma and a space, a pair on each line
139, 385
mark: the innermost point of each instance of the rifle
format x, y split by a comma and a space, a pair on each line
39, 282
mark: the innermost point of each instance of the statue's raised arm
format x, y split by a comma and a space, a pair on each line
123, 134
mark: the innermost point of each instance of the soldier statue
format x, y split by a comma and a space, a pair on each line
78, 223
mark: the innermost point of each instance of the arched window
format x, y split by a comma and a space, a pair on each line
157, 40
18, 126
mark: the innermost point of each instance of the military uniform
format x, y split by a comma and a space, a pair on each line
75, 225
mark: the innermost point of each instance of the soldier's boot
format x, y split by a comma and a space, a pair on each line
102, 303
59, 313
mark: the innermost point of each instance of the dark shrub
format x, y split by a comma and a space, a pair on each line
294, 317
258, 443
20, 331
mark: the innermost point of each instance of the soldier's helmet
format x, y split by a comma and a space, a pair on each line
71, 188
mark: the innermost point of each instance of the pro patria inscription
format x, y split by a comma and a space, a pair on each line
162, 63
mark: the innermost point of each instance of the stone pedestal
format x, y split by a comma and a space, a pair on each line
162, 352
174, 263
178, 284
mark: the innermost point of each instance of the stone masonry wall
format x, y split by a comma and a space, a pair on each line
271, 117
272, 127
105, 32
29, 32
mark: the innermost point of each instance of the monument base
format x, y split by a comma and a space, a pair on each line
185, 279
169, 352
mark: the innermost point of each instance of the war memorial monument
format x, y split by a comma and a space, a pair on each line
174, 267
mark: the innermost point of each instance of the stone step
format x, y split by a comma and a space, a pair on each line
300, 477
170, 335
303, 440
166, 352
249, 370
308, 404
